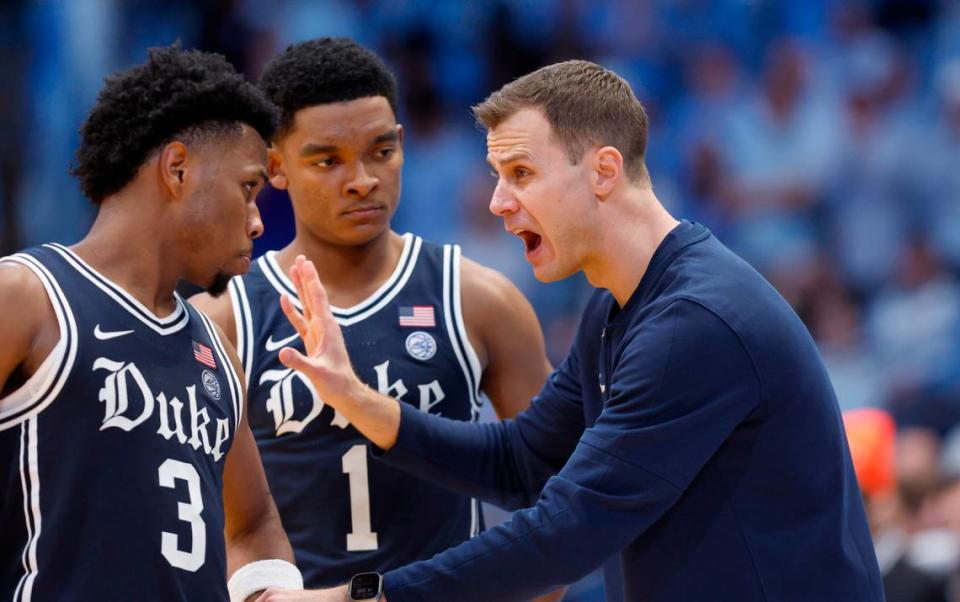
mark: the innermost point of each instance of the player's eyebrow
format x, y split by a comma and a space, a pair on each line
317, 149
391, 136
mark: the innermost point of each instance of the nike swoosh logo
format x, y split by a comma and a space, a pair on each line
272, 345
106, 335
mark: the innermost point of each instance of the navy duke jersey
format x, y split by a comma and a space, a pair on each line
344, 512
112, 453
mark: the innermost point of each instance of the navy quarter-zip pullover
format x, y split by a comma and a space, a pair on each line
692, 437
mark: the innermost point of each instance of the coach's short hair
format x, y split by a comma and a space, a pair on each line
585, 104
176, 93
324, 71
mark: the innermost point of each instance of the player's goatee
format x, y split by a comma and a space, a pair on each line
219, 284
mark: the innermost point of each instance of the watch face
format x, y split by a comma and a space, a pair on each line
365, 586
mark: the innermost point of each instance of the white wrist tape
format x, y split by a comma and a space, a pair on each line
259, 575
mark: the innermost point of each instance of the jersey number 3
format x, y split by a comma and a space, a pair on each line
189, 512
361, 538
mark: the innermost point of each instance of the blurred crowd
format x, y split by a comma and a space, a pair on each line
820, 140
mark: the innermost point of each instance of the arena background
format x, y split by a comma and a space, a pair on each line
818, 139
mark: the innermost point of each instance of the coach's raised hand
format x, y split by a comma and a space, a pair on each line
327, 364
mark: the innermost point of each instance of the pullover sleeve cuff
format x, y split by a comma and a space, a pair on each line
393, 587
412, 432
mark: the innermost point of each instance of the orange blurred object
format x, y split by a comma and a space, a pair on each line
871, 434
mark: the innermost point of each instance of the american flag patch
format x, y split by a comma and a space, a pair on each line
417, 315
204, 355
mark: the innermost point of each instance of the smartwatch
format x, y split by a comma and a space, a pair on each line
366, 586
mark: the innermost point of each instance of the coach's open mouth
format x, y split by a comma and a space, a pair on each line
531, 240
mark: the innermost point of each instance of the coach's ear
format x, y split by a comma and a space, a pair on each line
173, 168
278, 177
607, 163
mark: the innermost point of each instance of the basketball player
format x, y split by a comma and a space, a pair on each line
422, 324
125, 455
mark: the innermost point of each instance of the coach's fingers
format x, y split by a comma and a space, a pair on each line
296, 276
289, 595
293, 359
315, 292
293, 316
318, 300
267, 596
274, 594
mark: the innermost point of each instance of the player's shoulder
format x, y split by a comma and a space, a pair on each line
493, 304
31, 328
20, 286
219, 309
486, 287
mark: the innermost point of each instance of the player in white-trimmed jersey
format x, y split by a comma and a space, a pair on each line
131, 471
422, 323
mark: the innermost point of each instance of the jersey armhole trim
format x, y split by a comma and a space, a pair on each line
45, 384
30, 489
453, 317
243, 322
472, 356
464, 351
233, 379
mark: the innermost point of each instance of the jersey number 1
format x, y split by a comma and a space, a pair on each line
361, 538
